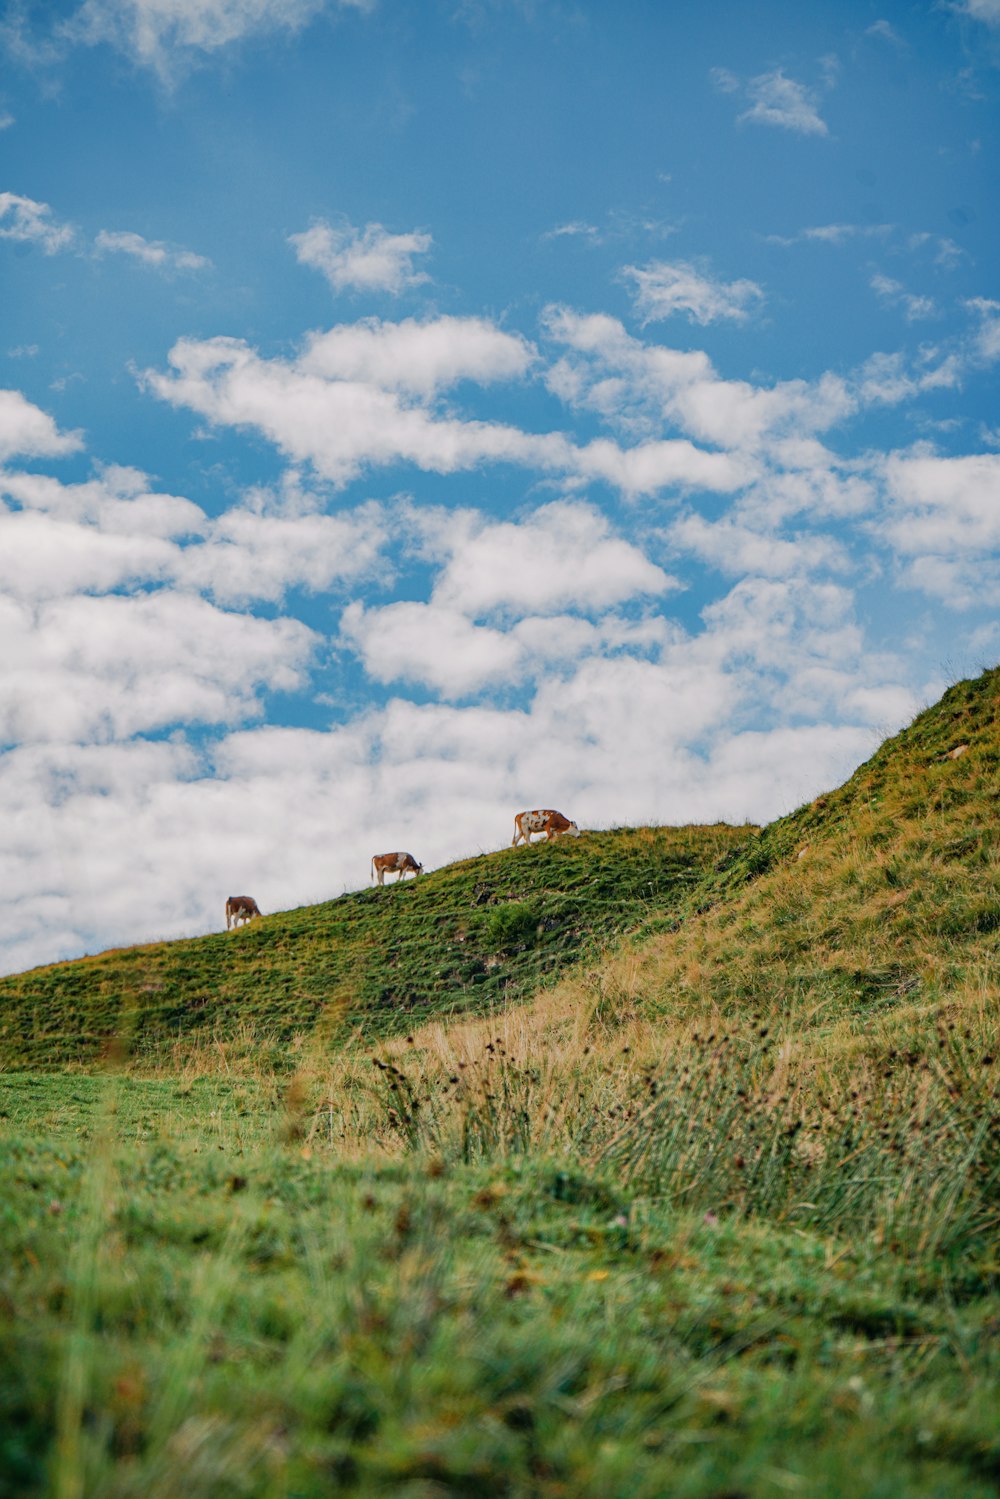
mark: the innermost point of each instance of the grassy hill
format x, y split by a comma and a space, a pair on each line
880, 898
712, 1213
486, 931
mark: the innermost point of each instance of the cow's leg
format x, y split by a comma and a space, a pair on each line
380, 875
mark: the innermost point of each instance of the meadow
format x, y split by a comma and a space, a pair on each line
701, 1197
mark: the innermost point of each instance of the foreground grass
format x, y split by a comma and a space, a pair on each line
627, 1269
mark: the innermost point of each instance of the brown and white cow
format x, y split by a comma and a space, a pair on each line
240, 908
383, 864
548, 822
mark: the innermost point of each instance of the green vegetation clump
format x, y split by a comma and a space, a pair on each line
709, 1207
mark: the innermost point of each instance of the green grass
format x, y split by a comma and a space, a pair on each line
464, 939
874, 899
665, 1162
197, 1299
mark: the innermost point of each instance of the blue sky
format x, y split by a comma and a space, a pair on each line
412, 413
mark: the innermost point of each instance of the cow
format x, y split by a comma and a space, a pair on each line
383, 864
240, 908
548, 822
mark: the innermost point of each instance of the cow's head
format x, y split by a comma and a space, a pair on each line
573, 830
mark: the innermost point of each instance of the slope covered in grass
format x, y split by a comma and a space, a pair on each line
880, 897
487, 930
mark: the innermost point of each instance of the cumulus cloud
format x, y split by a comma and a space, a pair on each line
777, 100
164, 35
345, 425
944, 523
986, 343
103, 668
737, 549
663, 288
462, 641
114, 532
563, 556
31, 222
369, 259
149, 251
609, 371
894, 294
340, 426
416, 642
246, 556
418, 357
987, 11
29, 432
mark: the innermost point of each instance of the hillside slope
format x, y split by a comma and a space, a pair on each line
882, 895
377, 961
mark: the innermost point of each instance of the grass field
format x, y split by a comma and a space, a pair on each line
713, 1212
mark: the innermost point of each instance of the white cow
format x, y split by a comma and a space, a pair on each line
383, 864
548, 822
240, 908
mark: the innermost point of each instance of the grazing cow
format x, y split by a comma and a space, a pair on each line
383, 864
548, 822
240, 908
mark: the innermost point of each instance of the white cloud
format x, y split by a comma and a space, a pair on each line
369, 259
31, 222
150, 252
738, 549
103, 668
576, 228
724, 80
563, 556
246, 556
987, 11
340, 426
343, 426
894, 294
987, 340
950, 504
831, 234
886, 32
113, 532
415, 642
642, 385
777, 100
43, 557
165, 34
28, 431
418, 357
6, 120
663, 288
